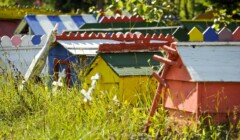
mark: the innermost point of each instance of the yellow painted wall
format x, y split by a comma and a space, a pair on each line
195, 35
136, 87
128, 88
108, 79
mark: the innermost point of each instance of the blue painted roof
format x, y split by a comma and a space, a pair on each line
210, 35
43, 24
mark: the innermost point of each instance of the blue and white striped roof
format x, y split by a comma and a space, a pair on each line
43, 24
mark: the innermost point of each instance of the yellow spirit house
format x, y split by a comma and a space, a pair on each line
127, 74
126, 67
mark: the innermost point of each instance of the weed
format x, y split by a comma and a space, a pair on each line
37, 113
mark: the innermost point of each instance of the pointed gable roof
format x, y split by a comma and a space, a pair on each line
181, 34
195, 35
236, 34
210, 35
225, 34
131, 64
43, 24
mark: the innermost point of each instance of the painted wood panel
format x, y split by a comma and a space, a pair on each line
22, 41
195, 35
210, 35
106, 73
20, 51
236, 34
133, 88
220, 97
21, 59
181, 34
225, 34
181, 95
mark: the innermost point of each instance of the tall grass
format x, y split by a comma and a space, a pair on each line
38, 113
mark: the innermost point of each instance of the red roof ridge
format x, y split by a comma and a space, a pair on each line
137, 37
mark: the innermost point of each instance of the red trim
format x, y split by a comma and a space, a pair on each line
57, 62
236, 34
115, 36
161, 88
121, 19
169, 50
135, 47
164, 60
139, 42
160, 79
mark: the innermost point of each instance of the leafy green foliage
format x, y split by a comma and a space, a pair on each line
151, 10
229, 5
66, 6
224, 11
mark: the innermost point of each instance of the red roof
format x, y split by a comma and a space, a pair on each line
128, 42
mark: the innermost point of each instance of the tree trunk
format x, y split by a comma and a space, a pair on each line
179, 7
100, 4
186, 9
193, 11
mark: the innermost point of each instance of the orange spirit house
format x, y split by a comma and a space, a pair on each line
201, 77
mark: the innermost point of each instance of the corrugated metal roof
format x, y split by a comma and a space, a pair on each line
91, 46
85, 47
130, 64
211, 62
143, 27
43, 24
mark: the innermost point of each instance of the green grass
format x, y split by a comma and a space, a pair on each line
37, 113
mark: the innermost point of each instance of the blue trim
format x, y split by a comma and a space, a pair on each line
36, 39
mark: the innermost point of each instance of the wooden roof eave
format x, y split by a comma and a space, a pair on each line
215, 43
171, 61
111, 67
91, 66
21, 26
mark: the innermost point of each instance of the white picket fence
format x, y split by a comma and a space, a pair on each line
17, 52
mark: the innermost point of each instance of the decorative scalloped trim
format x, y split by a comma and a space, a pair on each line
23, 41
129, 42
112, 19
114, 36
32, 40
